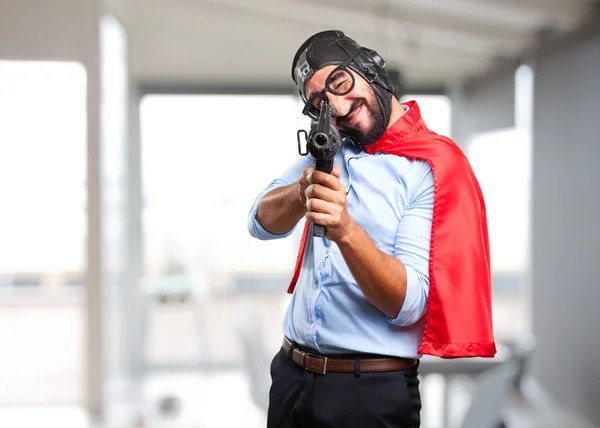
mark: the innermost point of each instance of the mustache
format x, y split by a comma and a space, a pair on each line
341, 120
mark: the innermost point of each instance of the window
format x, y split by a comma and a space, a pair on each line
502, 161
42, 249
205, 158
435, 110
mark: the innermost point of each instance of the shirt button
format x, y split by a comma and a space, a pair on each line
312, 325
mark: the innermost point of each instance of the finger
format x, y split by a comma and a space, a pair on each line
304, 176
320, 206
319, 218
321, 192
304, 183
308, 172
327, 180
337, 172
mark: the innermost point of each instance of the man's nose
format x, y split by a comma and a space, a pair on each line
339, 103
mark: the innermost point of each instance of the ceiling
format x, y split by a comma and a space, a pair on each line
237, 43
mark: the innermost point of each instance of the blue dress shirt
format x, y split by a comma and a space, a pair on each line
391, 198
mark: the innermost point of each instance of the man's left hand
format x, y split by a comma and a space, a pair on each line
326, 204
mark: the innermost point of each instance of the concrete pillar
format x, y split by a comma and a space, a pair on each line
458, 120
133, 297
565, 223
119, 288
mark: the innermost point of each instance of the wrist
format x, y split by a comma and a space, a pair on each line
301, 197
351, 231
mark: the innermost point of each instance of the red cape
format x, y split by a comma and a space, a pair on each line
458, 322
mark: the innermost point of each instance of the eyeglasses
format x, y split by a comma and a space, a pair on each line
339, 82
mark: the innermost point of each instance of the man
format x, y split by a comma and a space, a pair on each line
403, 269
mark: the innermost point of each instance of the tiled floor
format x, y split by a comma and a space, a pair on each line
41, 367
223, 401
44, 416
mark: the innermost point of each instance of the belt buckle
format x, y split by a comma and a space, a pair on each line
324, 365
324, 359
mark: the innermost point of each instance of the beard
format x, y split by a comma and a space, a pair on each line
377, 122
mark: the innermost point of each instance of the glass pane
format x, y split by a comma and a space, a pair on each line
43, 199
209, 286
436, 111
501, 161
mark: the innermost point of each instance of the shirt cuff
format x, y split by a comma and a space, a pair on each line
415, 300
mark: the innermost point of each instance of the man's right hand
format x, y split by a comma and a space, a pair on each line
304, 182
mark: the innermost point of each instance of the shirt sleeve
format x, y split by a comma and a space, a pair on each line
412, 247
291, 175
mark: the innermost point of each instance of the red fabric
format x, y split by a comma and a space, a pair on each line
301, 250
458, 322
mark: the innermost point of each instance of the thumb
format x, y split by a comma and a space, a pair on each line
337, 172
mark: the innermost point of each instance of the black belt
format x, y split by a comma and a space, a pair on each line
320, 364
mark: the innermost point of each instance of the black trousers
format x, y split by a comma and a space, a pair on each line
301, 399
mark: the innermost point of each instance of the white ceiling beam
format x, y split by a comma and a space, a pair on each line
458, 33
210, 36
453, 15
313, 15
254, 32
555, 12
254, 40
514, 14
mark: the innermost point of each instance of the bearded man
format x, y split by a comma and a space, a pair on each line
403, 269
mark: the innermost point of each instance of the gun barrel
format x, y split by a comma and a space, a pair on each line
324, 118
321, 140
323, 143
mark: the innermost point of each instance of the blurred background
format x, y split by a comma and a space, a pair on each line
135, 135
